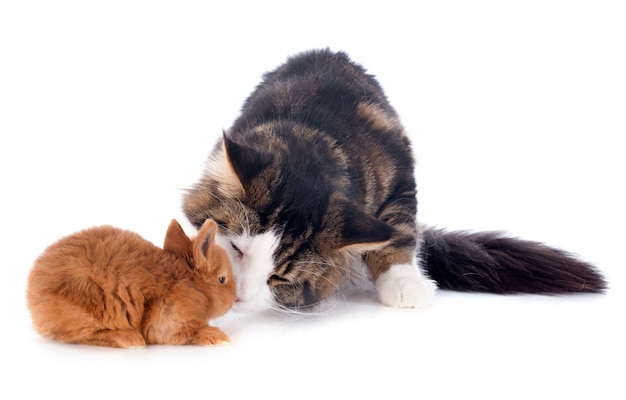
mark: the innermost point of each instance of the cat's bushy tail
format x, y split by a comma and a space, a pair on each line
496, 263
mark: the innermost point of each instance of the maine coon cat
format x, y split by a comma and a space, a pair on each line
316, 178
110, 287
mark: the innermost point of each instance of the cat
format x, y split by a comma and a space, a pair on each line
111, 287
315, 180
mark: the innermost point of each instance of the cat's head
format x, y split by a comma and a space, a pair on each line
290, 235
209, 261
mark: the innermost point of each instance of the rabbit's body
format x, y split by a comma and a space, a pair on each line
110, 287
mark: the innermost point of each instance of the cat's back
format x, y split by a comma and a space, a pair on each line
321, 89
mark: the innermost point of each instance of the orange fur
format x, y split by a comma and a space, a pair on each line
110, 287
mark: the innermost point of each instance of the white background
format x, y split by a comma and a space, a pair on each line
517, 111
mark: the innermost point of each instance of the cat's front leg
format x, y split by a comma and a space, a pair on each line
398, 279
403, 285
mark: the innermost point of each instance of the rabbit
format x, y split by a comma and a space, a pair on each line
110, 287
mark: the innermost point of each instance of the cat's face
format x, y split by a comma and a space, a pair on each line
289, 237
271, 266
287, 262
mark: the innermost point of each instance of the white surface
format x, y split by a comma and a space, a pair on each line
518, 115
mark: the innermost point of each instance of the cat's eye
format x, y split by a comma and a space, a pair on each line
237, 250
221, 279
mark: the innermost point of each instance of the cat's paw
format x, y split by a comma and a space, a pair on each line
403, 286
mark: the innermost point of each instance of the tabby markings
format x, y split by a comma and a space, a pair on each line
377, 117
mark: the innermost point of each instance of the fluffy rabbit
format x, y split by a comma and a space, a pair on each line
110, 287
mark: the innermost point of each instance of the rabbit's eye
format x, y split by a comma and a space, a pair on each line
221, 279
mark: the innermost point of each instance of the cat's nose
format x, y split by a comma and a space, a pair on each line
238, 299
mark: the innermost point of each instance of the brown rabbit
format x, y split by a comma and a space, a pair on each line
110, 287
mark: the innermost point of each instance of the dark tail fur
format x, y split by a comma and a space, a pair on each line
492, 262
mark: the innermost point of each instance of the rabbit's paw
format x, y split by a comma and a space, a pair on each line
211, 336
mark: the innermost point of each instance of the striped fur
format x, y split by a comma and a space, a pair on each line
320, 159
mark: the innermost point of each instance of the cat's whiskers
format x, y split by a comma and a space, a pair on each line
302, 312
319, 308
351, 273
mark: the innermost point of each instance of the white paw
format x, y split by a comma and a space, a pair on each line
404, 286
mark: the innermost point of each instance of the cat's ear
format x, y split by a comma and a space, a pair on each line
246, 161
360, 231
176, 241
204, 242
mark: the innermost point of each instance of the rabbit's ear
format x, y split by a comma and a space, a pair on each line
205, 240
176, 241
